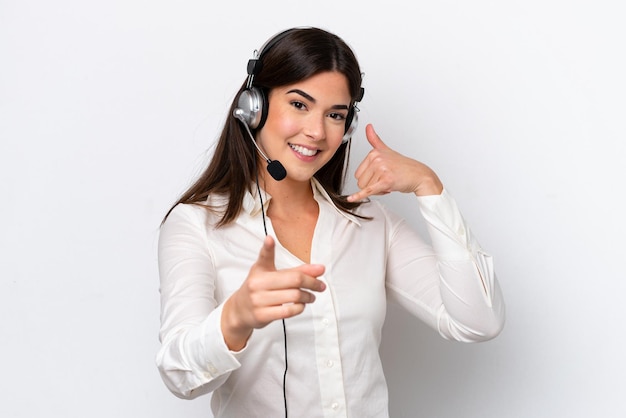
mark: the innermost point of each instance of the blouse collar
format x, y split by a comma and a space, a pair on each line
252, 202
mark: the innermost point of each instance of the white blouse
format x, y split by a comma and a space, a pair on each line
333, 346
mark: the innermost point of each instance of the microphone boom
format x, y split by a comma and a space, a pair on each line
274, 167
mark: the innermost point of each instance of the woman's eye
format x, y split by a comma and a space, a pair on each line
298, 105
337, 116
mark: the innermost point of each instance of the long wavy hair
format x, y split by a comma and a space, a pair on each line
300, 54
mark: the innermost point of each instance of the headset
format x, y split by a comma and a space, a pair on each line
252, 104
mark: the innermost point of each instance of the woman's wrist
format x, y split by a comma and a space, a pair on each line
428, 187
235, 334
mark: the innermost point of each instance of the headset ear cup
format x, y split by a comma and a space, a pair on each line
352, 121
263, 105
253, 107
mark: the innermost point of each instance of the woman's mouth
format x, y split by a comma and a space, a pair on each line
303, 151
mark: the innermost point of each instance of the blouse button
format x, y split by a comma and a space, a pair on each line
325, 321
335, 405
329, 363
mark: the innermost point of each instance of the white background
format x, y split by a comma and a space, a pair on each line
108, 110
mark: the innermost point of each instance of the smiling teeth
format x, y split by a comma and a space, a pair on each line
304, 151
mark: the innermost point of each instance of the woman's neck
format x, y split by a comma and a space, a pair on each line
293, 212
288, 196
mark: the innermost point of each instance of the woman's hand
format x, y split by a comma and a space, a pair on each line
384, 171
267, 295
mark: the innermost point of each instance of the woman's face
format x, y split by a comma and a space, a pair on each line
305, 123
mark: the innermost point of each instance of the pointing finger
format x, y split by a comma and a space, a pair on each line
266, 255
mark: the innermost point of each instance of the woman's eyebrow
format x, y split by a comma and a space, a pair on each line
312, 99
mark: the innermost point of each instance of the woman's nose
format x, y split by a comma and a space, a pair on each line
315, 128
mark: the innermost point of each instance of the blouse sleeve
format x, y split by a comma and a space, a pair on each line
450, 285
193, 358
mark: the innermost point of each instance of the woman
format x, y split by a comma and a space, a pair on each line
274, 284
